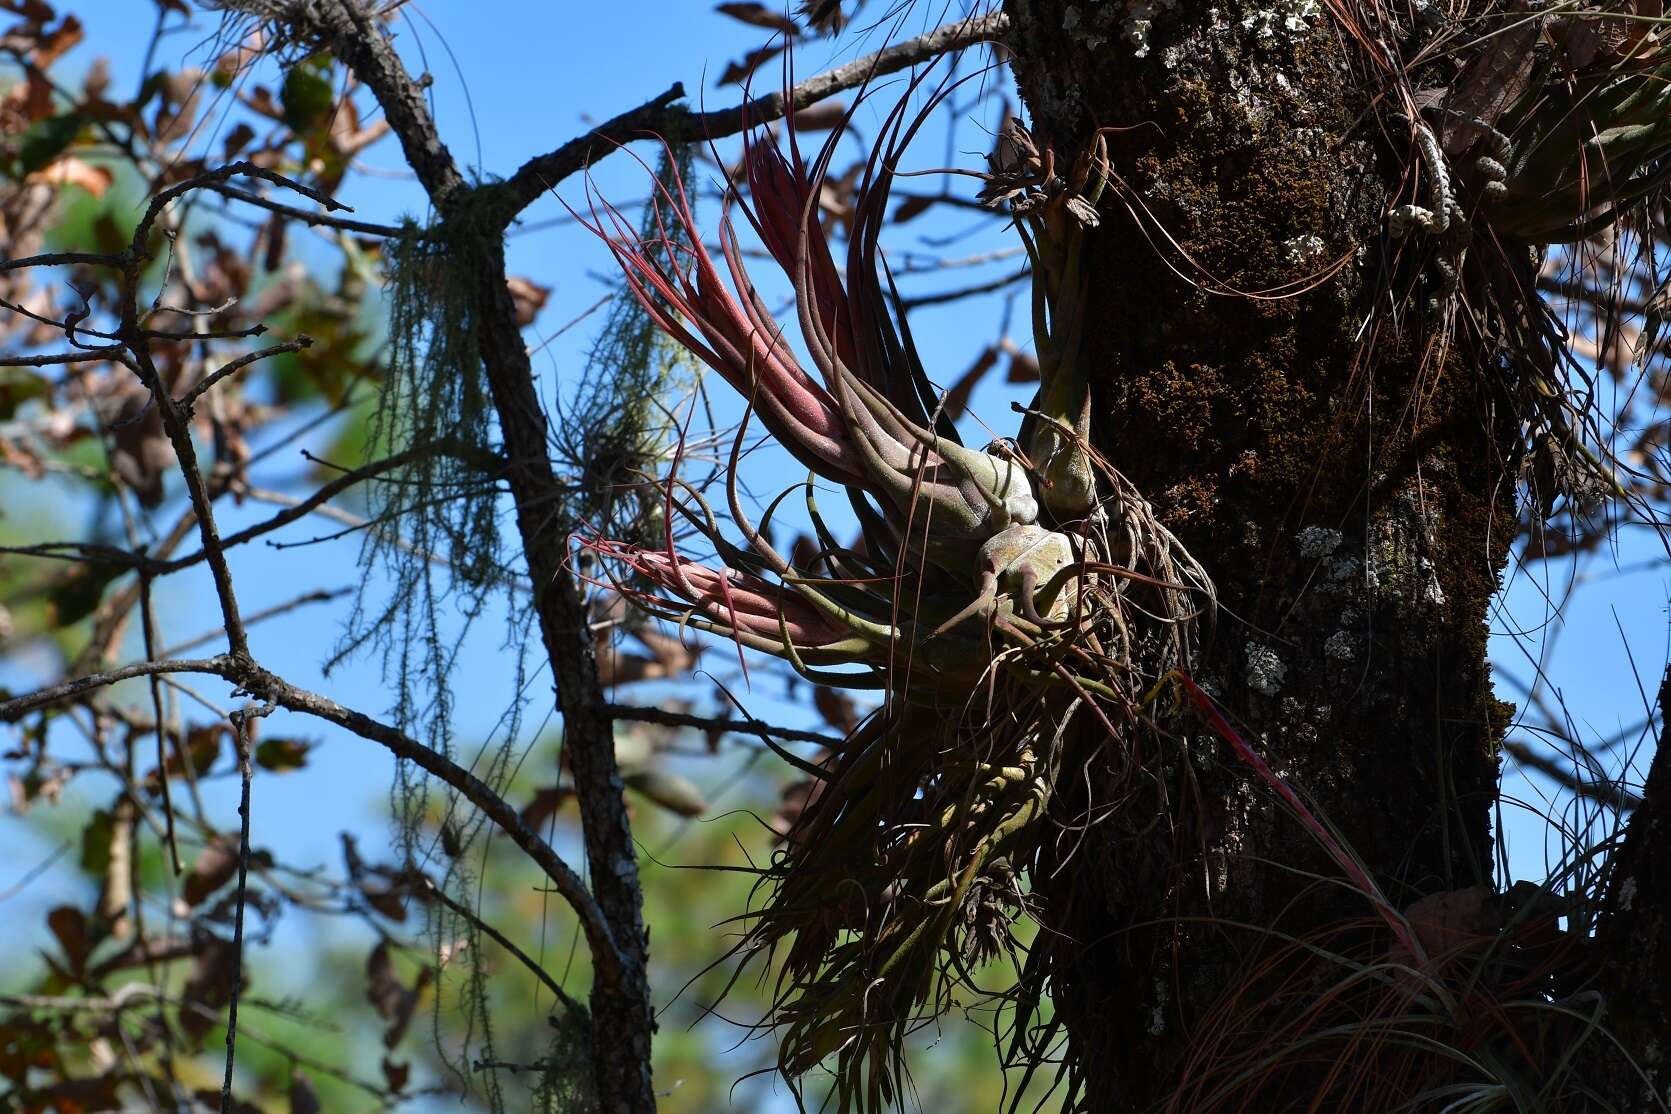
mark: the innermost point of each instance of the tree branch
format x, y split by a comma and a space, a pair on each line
257, 681
232, 367
19, 706
729, 724
658, 116
308, 216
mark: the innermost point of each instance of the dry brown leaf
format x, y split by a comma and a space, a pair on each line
260, 100
529, 296
241, 136
214, 868
141, 454
393, 1000
177, 111
824, 15
740, 70
836, 707
69, 927
957, 399
759, 15
1495, 79
545, 804
209, 1098
674, 792
71, 171
1024, 368
674, 656
53, 45
1455, 920
35, 11
208, 988
913, 207
797, 797
395, 1074
821, 117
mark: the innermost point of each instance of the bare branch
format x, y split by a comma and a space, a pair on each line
16, 708
606, 955
232, 368
115, 352
658, 117
307, 216
60, 259
1610, 793
253, 679
945, 296
729, 724
503, 941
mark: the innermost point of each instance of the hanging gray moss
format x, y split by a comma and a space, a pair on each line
566, 1085
441, 556
437, 538
617, 426
441, 552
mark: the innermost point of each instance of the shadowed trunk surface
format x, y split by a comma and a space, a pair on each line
1352, 506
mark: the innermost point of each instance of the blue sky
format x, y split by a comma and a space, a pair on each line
512, 79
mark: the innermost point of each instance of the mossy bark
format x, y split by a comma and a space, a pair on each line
1351, 497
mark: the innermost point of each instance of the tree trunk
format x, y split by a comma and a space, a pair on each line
1635, 936
1350, 494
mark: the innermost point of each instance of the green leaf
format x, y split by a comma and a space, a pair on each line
95, 843
17, 386
307, 95
282, 755
78, 595
45, 140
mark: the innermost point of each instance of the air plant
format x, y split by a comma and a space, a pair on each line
1001, 598
1591, 130
1537, 137
1470, 1000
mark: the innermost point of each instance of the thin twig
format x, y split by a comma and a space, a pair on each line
305, 506
945, 296
241, 737
53, 358
252, 678
322, 595
503, 941
729, 724
307, 216
675, 125
1612, 794
190, 398
16, 708
148, 632
61, 259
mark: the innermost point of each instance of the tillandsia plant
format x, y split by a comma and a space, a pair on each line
998, 598
1547, 129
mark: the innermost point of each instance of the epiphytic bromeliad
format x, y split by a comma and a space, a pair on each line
1001, 598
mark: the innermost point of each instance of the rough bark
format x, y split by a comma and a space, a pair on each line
1351, 503
1635, 936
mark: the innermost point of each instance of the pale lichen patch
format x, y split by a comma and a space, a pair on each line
1317, 542
1281, 23
1265, 671
1302, 249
